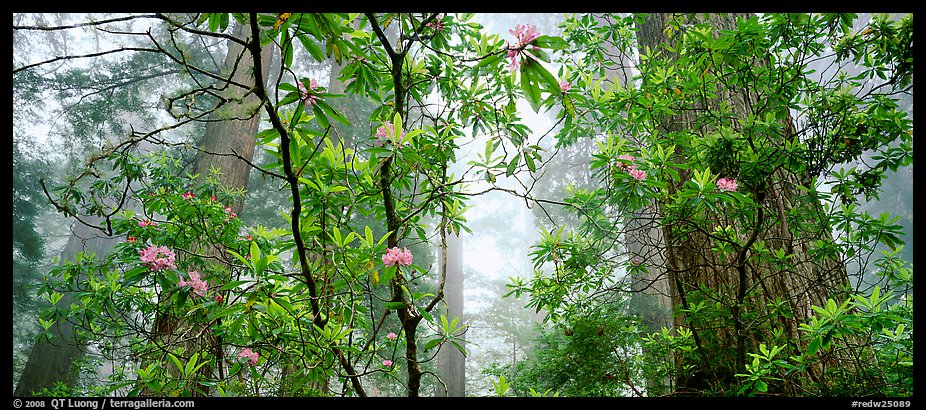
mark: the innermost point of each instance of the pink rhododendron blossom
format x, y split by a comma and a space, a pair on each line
131, 239
196, 283
524, 34
395, 256
251, 356
636, 261
564, 86
157, 258
304, 95
248, 238
625, 157
387, 363
213, 198
146, 222
219, 298
638, 174
391, 336
436, 25
726, 184
188, 195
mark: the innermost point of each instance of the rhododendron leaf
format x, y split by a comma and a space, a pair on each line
550, 42
320, 117
176, 361
134, 275
311, 47
529, 84
512, 164
331, 112
432, 343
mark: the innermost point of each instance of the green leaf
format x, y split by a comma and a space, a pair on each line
432, 343
176, 361
509, 170
761, 386
320, 117
529, 84
551, 42
191, 365
311, 47
134, 275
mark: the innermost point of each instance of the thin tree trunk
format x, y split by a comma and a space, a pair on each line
450, 360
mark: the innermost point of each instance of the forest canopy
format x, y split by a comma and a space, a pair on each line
299, 204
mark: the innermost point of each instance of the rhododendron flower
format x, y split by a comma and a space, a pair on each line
146, 222
248, 238
157, 258
304, 95
625, 157
436, 25
188, 195
131, 239
636, 261
391, 336
251, 356
726, 184
219, 298
213, 198
564, 86
196, 283
387, 363
638, 174
395, 256
524, 34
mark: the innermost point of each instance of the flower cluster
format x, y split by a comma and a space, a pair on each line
304, 95
196, 283
188, 195
392, 336
157, 258
251, 356
146, 222
631, 168
395, 256
387, 363
437, 25
386, 134
564, 86
525, 34
726, 184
